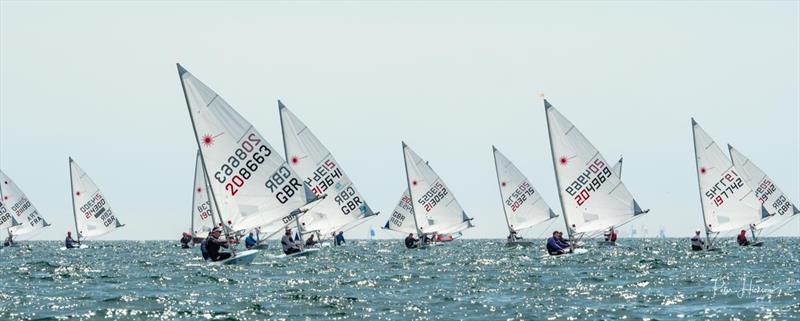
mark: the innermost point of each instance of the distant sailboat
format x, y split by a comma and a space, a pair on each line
430, 207
523, 206
202, 213
92, 212
311, 160
726, 200
774, 200
593, 198
250, 184
17, 204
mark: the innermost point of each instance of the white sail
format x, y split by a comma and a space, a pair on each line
728, 202
522, 204
93, 214
202, 212
250, 182
434, 204
344, 205
774, 200
23, 210
402, 218
7, 219
617, 169
592, 197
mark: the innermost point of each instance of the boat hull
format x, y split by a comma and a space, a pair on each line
241, 258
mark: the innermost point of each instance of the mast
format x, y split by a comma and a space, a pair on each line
286, 153
72, 194
500, 188
410, 194
182, 71
194, 197
547, 107
699, 187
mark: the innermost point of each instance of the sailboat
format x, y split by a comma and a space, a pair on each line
323, 175
202, 215
92, 212
250, 184
18, 205
523, 206
593, 198
727, 202
428, 207
774, 200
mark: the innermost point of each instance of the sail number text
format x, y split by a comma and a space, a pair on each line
520, 195
724, 188
431, 198
589, 181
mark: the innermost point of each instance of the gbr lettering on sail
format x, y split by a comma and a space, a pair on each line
245, 161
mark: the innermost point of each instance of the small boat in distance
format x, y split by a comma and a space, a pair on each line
92, 212
202, 213
523, 206
726, 201
428, 207
26, 220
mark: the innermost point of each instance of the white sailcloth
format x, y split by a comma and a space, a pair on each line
203, 220
592, 197
728, 202
24, 212
774, 200
93, 214
7, 219
402, 218
249, 181
522, 204
617, 169
434, 204
344, 205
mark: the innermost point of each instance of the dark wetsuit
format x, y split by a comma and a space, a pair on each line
69, 243
557, 246
213, 246
289, 246
410, 242
185, 241
697, 243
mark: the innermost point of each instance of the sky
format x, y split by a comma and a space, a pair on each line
97, 81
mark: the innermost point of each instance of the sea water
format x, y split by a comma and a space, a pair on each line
655, 279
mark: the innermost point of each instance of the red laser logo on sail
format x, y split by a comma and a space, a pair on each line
199, 190
295, 160
414, 183
503, 184
563, 160
702, 170
208, 140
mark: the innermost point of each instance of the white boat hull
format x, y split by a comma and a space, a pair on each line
241, 258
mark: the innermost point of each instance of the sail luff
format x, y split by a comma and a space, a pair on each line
500, 189
410, 194
182, 71
547, 106
700, 186
72, 197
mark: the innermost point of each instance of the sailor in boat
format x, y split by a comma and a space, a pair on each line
69, 242
310, 242
697, 241
250, 241
557, 245
513, 237
185, 240
610, 236
214, 245
742, 238
410, 241
340, 238
9, 240
289, 245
